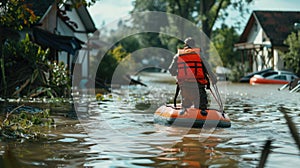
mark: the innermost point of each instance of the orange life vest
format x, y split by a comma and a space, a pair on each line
190, 66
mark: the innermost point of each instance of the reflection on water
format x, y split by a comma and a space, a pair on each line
120, 132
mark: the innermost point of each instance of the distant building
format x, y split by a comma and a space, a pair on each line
63, 29
263, 38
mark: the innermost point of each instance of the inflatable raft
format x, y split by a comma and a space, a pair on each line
169, 115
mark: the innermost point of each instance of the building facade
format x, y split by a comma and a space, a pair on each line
262, 40
65, 30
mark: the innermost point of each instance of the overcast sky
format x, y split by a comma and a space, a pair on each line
106, 11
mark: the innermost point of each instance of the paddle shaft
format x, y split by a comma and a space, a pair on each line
295, 88
283, 87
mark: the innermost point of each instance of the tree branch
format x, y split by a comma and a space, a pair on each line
216, 15
8, 114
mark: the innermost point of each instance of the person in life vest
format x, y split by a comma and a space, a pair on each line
192, 76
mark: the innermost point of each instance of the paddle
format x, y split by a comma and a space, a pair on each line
283, 87
176, 94
295, 88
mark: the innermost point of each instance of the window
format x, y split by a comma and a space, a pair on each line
280, 77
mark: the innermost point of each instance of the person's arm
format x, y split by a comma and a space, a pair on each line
173, 67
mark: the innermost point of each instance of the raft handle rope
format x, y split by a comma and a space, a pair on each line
218, 95
217, 98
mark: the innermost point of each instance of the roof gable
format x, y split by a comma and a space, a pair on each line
40, 8
86, 19
276, 24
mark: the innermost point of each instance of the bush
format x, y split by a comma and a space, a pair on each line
29, 73
116, 57
292, 56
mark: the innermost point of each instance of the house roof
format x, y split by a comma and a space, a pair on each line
61, 43
86, 19
276, 24
41, 7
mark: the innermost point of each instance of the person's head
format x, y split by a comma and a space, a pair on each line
189, 42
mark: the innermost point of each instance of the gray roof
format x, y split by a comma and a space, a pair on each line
276, 24
40, 8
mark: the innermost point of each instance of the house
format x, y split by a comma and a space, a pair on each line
64, 29
263, 39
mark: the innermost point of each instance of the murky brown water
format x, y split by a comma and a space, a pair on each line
120, 132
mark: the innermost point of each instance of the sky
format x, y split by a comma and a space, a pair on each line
106, 11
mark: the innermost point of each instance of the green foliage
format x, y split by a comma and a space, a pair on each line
24, 50
111, 61
22, 61
25, 125
59, 76
29, 73
292, 56
78, 3
150, 5
237, 72
204, 13
14, 14
224, 39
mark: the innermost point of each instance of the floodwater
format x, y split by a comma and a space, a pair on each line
119, 132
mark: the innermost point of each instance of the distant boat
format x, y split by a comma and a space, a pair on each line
274, 77
246, 78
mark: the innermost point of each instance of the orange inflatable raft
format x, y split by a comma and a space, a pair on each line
168, 115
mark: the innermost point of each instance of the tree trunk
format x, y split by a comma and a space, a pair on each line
2, 65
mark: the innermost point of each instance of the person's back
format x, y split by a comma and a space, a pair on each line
191, 75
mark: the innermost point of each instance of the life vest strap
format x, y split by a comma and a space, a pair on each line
189, 53
188, 62
185, 66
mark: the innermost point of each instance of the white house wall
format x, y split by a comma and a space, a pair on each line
255, 35
63, 57
83, 59
82, 55
64, 29
73, 15
258, 36
278, 62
